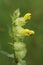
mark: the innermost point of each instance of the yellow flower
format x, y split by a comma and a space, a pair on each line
27, 32
27, 16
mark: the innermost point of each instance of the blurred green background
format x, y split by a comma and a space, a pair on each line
34, 43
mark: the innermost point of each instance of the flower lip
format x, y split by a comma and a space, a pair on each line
27, 16
27, 32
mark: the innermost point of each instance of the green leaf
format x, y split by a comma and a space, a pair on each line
7, 54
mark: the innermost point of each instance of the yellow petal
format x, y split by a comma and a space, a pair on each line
27, 16
27, 32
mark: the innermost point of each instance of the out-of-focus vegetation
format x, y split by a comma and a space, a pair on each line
35, 42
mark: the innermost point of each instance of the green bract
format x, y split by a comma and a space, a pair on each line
21, 62
15, 15
19, 46
20, 21
20, 54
